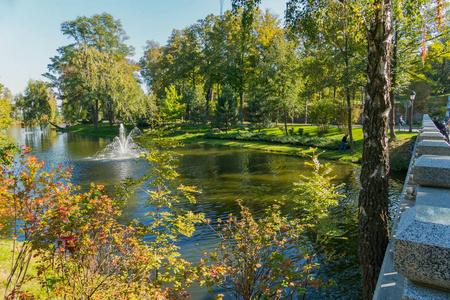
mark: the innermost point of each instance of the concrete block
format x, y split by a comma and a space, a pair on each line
433, 147
422, 251
431, 135
432, 170
428, 196
431, 128
419, 292
426, 118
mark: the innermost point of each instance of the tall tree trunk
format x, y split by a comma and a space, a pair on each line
347, 84
94, 110
94, 119
241, 106
392, 135
110, 116
373, 214
285, 121
136, 129
349, 119
209, 100
306, 111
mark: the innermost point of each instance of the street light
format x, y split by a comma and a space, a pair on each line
412, 96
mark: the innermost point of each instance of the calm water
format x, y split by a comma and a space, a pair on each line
223, 175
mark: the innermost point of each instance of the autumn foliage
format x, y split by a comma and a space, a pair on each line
80, 250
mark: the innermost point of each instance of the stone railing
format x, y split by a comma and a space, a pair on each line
417, 260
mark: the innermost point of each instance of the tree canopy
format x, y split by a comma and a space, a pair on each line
93, 75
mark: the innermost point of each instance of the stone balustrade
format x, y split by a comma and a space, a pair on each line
417, 261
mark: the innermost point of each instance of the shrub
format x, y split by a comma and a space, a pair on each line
331, 143
265, 258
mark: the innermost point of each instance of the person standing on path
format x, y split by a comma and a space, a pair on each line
344, 143
400, 122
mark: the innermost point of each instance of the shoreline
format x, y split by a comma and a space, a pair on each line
400, 150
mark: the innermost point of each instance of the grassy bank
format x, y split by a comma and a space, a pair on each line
192, 134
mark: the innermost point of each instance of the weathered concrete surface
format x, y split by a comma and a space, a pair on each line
432, 170
433, 147
422, 250
420, 292
427, 196
429, 135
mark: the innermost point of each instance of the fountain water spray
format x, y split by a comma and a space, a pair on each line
122, 147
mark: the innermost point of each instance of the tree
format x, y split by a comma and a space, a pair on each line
38, 103
171, 107
211, 34
83, 72
7, 147
5, 111
259, 109
281, 75
437, 67
151, 70
196, 103
322, 112
333, 38
227, 108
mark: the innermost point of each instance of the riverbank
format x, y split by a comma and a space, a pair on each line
400, 149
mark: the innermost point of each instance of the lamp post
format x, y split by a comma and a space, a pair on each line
412, 96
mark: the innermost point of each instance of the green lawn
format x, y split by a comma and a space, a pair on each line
188, 134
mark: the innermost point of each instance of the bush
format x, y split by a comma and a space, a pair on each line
331, 143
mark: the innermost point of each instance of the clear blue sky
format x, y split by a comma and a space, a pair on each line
30, 29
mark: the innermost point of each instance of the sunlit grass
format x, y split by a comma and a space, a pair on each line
32, 285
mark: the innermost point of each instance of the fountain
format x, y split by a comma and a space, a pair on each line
122, 147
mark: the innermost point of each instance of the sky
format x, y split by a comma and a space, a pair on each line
30, 30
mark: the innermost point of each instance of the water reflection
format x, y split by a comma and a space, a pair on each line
223, 175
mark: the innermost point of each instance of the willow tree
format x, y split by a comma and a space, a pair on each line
81, 71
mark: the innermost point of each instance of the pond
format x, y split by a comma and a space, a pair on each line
224, 175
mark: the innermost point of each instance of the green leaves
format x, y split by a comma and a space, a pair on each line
38, 104
227, 108
266, 258
165, 223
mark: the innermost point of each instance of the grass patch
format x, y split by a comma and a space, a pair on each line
400, 151
103, 129
32, 285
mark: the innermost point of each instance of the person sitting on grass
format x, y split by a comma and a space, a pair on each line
344, 143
